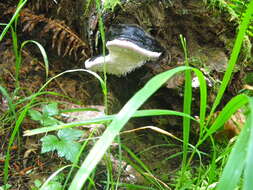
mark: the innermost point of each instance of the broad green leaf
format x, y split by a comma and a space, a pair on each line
49, 121
68, 149
65, 147
35, 115
37, 183
50, 109
27, 107
53, 185
49, 143
70, 134
5, 187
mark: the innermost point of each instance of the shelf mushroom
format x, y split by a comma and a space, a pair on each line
129, 47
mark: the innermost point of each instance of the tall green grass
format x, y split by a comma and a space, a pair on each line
187, 107
141, 96
14, 18
234, 56
102, 33
121, 119
240, 160
20, 115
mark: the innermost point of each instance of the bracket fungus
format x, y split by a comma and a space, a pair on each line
129, 47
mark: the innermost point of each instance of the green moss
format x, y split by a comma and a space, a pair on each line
245, 55
223, 6
111, 4
249, 78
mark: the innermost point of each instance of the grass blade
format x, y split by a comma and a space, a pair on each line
11, 141
236, 162
248, 174
117, 124
52, 176
42, 51
187, 105
9, 100
140, 113
21, 5
24, 113
234, 56
231, 107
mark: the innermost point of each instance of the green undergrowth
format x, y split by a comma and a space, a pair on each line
228, 168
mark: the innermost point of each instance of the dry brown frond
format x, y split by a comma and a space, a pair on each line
64, 40
42, 4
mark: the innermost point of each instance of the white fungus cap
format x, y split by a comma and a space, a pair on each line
126, 53
124, 56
